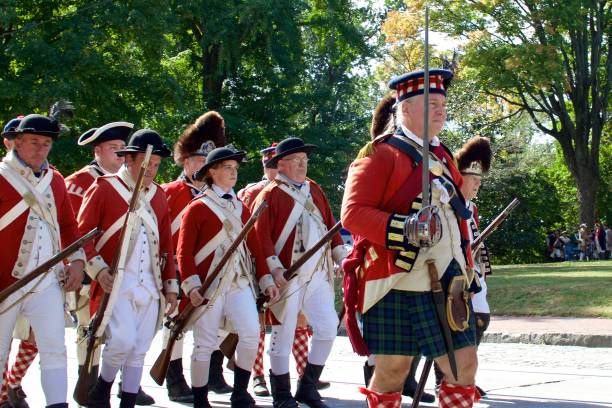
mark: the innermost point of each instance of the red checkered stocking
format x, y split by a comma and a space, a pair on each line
300, 349
457, 396
382, 400
258, 365
26, 354
4, 390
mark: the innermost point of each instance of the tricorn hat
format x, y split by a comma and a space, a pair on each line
139, 141
412, 83
475, 156
208, 127
110, 131
11, 125
289, 146
219, 155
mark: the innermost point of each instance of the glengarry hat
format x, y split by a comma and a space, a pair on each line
110, 131
412, 83
219, 155
289, 146
139, 141
268, 153
9, 128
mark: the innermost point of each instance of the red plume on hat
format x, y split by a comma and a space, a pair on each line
475, 156
208, 127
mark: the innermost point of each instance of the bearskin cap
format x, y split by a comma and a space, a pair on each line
382, 116
475, 156
208, 127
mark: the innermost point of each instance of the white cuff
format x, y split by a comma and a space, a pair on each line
94, 266
79, 255
339, 253
265, 282
191, 283
171, 286
273, 263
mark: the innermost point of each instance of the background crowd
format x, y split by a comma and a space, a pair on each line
585, 244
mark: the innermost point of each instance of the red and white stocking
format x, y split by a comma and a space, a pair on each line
258, 365
4, 390
457, 396
382, 400
300, 349
25, 356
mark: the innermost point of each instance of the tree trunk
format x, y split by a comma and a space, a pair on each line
212, 78
587, 186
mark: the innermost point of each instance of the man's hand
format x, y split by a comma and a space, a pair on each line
73, 276
279, 279
273, 293
105, 280
171, 303
195, 297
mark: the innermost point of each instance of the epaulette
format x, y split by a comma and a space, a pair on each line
369, 148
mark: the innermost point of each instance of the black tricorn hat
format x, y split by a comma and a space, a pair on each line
289, 146
475, 156
143, 137
218, 155
110, 131
9, 129
37, 125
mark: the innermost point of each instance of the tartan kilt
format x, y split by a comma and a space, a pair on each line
405, 323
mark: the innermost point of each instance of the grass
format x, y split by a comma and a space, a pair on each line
577, 289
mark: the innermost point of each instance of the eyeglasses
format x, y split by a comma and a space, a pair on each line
298, 160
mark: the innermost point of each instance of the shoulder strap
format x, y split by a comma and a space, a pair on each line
405, 147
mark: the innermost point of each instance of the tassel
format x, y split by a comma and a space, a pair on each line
366, 150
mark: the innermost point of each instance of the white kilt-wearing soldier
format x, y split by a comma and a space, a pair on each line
36, 221
297, 217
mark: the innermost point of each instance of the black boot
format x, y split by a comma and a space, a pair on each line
93, 377
410, 385
368, 371
128, 399
307, 392
200, 397
178, 390
281, 391
240, 396
142, 398
58, 405
17, 397
216, 382
99, 395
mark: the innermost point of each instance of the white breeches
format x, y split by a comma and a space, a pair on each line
130, 329
316, 301
238, 305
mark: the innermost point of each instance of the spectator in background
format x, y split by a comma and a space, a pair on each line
600, 240
608, 242
558, 247
550, 241
567, 250
583, 242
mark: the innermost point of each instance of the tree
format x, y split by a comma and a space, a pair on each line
551, 59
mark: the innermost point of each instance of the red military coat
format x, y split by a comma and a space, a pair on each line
179, 193
248, 194
78, 182
199, 227
14, 252
102, 206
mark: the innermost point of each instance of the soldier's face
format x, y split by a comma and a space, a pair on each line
33, 149
134, 162
192, 164
413, 114
471, 185
294, 166
225, 174
107, 156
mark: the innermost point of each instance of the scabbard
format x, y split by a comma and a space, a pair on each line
439, 302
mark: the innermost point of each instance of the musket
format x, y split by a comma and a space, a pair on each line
494, 224
48, 264
179, 323
84, 384
292, 271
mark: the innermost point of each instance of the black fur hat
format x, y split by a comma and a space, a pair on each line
475, 156
208, 127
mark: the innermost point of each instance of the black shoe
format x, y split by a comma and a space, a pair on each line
142, 398
200, 397
259, 387
368, 371
17, 397
410, 384
99, 395
128, 399
216, 382
481, 391
307, 392
323, 385
58, 405
281, 391
178, 390
240, 396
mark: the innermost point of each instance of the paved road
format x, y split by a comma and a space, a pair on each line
514, 375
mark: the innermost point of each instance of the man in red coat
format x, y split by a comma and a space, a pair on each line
190, 153
387, 276
297, 217
145, 286
36, 221
210, 225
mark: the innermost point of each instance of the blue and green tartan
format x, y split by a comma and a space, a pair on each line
405, 323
